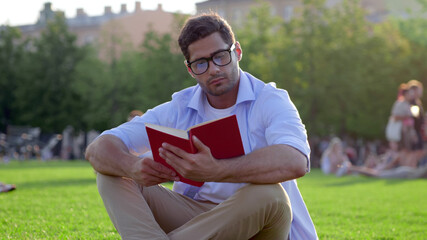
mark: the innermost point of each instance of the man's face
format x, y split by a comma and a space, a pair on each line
217, 80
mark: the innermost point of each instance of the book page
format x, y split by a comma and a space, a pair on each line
207, 122
171, 131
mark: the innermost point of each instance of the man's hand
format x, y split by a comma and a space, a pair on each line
147, 172
201, 166
109, 156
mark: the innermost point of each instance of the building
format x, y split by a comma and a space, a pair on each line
404, 9
125, 29
235, 11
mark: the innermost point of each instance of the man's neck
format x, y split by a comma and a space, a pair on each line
225, 100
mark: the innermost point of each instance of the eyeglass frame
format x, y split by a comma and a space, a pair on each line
210, 59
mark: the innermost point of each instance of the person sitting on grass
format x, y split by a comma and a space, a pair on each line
404, 164
6, 187
334, 160
254, 196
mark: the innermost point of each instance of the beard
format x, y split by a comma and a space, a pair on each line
224, 86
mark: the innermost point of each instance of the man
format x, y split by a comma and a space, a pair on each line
241, 197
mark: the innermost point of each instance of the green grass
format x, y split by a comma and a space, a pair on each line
358, 207
59, 200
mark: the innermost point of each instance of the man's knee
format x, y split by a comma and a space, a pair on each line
266, 193
107, 184
104, 181
265, 196
271, 204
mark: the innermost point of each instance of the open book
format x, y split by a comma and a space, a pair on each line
222, 136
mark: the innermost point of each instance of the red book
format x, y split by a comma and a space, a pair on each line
222, 136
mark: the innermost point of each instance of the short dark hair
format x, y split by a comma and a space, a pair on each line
201, 26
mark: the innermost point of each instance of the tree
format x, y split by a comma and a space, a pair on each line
45, 95
334, 64
93, 84
134, 79
413, 29
165, 71
257, 35
11, 55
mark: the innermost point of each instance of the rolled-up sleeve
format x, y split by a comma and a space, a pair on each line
133, 133
282, 121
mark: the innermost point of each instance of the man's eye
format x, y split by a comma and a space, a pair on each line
200, 64
220, 55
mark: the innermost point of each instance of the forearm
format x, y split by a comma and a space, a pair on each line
273, 164
108, 155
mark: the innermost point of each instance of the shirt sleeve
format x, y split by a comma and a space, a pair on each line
283, 124
133, 133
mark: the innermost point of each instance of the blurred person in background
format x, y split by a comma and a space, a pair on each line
404, 164
417, 112
6, 187
334, 160
134, 113
400, 131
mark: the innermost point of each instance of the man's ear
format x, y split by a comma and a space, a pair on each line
238, 51
189, 69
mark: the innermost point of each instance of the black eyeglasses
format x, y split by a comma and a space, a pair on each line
220, 59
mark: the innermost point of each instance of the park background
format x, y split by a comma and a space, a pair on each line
340, 68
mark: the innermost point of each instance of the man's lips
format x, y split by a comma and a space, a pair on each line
216, 80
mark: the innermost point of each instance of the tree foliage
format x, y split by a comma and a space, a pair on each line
11, 58
44, 96
139, 79
341, 71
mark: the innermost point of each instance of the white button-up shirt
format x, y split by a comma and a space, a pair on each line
266, 116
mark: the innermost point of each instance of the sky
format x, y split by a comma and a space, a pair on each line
22, 12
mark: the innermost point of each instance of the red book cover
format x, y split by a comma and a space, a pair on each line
222, 136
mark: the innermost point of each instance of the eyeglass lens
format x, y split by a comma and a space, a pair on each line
220, 59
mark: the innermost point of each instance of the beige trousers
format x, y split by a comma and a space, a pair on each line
253, 212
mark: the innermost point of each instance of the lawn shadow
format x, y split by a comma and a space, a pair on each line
394, 181
57, 183
359, 179
351, 180
31, 164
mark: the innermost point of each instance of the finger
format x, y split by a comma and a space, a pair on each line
169, 155
170, 159
165, 176
158, 170
155, 176
199, 145
175, 150
162, 169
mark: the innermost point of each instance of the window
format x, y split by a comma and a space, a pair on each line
88, 39
288, 13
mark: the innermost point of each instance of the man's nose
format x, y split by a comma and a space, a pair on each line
213, 68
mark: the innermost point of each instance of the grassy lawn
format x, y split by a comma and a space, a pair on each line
59, 200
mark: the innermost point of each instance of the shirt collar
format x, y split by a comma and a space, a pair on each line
246, 93
246, 90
